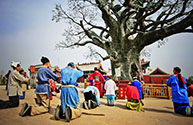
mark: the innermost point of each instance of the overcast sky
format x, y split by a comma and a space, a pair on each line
27, 33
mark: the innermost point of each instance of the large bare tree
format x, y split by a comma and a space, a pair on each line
123, 27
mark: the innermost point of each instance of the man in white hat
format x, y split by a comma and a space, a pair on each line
14, 87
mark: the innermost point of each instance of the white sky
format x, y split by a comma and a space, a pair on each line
27, 33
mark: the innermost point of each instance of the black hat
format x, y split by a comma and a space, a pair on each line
44, 60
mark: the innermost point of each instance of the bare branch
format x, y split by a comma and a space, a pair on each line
164, 32
106, 15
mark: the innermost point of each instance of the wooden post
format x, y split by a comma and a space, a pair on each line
169, 92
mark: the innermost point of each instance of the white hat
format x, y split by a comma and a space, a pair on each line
134, 77
14, 64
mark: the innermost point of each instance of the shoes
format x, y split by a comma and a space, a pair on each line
26, 112
36, 101
53, 94
92, 104
57, 113
89, 104
188, 111
68, 114
57, 90
24, 107
142, 103
85, 105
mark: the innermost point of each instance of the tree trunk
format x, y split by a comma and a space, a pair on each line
113, 69
130, 64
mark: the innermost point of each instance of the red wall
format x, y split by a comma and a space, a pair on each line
156, 79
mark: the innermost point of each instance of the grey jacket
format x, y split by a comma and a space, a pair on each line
14, 83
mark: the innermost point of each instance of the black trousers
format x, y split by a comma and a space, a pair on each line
12, 102
89, 96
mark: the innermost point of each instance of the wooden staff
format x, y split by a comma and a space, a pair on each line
86, 113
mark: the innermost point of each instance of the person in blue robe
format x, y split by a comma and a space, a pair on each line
179, 93
70, 103
42, 91
137, 84
92, 97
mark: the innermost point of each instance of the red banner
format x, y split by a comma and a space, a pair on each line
32, 69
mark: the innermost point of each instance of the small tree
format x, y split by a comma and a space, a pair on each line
190, 80
123, 27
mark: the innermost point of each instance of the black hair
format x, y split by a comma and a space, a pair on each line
95, 69
71, 64
180, 81
177, 69
21, 71
44, 60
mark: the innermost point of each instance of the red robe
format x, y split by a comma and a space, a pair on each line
98, 79
190, 90
132, 93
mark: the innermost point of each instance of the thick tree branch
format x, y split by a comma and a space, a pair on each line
168, 31
167, 21
92, 35
106, 15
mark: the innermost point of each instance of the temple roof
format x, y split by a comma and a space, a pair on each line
88, 66
158, 71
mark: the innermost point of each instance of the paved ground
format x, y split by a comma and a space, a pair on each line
157, 111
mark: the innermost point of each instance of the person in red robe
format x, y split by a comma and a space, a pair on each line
132, 93
98, 80
190, 90
133, 101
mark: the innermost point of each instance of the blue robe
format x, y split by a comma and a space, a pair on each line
94, 91
44, 75
179, 95
69, 95
137, 84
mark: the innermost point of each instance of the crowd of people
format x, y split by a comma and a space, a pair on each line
100, 85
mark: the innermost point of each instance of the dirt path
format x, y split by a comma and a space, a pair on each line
157, 111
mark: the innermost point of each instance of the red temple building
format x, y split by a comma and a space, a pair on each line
156, 77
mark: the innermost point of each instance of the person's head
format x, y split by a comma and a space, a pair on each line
95, 69
45, 61
16, 65
71, 64
134, 78
176, 70
22, 72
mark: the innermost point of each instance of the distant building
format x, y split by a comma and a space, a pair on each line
88, 68
144, 65
158, 76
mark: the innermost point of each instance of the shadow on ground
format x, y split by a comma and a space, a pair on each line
158, 110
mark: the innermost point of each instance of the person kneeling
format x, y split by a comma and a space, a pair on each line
92, 97
133, 99
70, 104
110, 88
